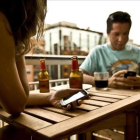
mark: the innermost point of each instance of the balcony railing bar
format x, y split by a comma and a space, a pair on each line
35, 85
51, 59
34, 59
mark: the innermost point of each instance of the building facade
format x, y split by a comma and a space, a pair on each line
66, 38
63, 38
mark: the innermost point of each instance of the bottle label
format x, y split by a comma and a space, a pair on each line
44, 86
76, 82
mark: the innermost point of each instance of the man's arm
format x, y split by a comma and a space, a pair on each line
88, 79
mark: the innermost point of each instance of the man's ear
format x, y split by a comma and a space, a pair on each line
107, 32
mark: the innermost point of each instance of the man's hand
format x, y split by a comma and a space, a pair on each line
135, 81
58, 95
118, 81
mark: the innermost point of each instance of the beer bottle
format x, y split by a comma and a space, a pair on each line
76, 76
43, 77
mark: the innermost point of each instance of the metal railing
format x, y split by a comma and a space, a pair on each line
35, 85
51, 60
33, 59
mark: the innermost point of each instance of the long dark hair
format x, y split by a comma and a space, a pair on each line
24, 17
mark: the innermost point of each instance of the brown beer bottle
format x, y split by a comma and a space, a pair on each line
76, 76
43, 77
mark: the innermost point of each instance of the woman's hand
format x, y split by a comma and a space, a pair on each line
58, 95
118, 81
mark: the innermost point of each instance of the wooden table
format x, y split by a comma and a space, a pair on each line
105, 109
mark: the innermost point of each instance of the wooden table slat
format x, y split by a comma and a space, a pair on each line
122, 92
104, 99
94, 102
52, 116
109, 95
71, 113
32, 123
87, 107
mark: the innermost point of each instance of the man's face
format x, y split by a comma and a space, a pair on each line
119, 36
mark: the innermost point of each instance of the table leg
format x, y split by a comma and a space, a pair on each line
138, 122
12, 133
81, 136
2, 123
84, 136
131, 127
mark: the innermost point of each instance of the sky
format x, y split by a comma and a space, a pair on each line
93, 14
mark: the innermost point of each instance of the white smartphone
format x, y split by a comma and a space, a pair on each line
82, 94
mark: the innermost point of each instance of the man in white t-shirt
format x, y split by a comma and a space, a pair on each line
116, 57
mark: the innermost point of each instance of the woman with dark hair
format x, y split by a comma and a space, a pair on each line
25, 18
19, 21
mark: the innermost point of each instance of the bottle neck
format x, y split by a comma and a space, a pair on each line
42, 70
72, 70
42, 66
74, 66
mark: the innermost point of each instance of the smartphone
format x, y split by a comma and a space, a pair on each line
130, 73
82, 94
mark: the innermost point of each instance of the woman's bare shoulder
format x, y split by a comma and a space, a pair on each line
6, 38
4, 21
2, 17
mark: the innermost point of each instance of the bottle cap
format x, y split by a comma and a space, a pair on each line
42, 64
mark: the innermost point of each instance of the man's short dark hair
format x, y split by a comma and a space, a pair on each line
118, 17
